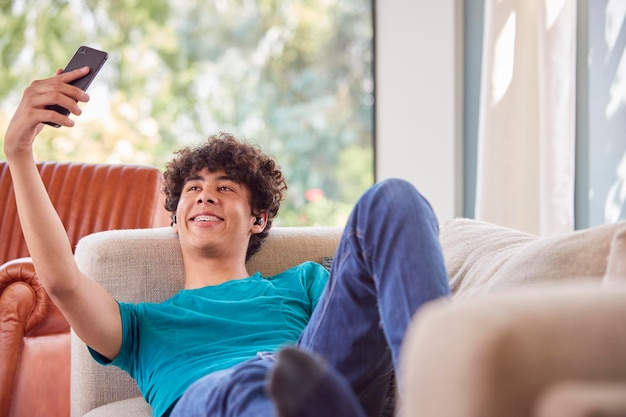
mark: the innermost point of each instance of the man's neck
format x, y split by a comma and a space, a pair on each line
203, 271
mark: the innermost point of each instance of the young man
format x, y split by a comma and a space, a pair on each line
208, 351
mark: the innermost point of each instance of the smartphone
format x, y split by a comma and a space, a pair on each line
84, 56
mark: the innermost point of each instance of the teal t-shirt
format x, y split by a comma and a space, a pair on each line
168, 346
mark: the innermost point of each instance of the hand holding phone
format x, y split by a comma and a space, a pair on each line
84, 56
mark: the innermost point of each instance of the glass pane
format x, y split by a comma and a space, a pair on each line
294, 76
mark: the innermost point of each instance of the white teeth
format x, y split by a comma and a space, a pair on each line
203, 218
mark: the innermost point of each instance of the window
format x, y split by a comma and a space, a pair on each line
294, 76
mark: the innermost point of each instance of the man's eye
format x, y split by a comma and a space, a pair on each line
225, 188
193, 188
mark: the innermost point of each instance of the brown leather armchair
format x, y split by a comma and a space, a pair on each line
34, 336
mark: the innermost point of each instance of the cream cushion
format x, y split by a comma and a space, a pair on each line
616, 265
482, 257
146, 265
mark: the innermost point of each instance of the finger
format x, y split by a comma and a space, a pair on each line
67, 103
56, 84
34, 106
56, 117
70, 76
75, 92
63, 99
59, 71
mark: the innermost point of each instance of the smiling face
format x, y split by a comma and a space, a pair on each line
214, 215
244, 162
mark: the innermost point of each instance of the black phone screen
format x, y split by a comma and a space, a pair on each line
84, 56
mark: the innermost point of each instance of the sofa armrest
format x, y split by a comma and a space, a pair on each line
34, 345
146, 265
16, 303
494, 355
588, 398
44, 317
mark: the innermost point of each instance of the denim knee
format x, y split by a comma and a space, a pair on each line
397, 196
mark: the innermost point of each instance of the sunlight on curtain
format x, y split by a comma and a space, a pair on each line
503, 60
616, 15
615, 204
526, 131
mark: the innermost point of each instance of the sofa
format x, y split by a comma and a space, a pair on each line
146, 265
495, 272
536, 326
34, 335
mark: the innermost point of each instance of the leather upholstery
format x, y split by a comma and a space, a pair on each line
89, 198
34, 336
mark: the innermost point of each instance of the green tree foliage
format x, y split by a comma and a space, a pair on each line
294, 76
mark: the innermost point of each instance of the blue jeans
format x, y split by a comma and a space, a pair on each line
388, 263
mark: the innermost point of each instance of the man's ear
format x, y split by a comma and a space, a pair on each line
260, 221
174, 224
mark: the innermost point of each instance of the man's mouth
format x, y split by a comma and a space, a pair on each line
205, 218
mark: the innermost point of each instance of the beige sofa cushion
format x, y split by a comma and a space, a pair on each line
616, 266
482, 257
132, 407
146, 265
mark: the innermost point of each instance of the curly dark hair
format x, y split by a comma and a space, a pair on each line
245, 162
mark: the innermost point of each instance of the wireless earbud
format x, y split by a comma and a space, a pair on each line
173, 220
259, 221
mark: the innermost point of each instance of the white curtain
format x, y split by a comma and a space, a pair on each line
526, 132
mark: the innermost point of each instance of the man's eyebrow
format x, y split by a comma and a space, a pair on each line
193, 178
228, 178
220, 178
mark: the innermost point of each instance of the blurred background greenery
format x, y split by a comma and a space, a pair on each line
294, 76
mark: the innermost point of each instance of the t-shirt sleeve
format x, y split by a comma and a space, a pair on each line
316, 279
128, 315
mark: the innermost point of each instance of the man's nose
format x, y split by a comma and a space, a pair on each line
208, 198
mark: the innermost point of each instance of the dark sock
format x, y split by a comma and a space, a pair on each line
302, 385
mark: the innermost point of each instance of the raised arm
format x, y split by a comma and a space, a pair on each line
90, 310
